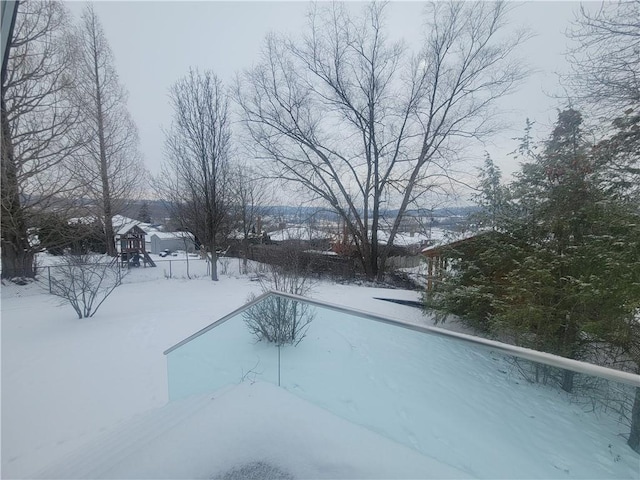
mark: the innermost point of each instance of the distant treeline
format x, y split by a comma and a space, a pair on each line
158, 211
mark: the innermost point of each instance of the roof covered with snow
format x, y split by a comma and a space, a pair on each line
172, 235
452, 240
128, 227
403, 239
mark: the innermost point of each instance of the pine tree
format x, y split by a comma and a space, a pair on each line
560, 272
476, 266
492, 197
143, 214
619, 158
580, 271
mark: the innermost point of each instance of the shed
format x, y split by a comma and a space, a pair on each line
439, 256
172, 241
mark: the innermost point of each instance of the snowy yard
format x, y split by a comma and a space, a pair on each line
67, 383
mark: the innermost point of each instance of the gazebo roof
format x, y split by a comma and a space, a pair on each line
437, 250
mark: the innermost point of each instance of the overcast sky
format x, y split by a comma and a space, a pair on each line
155, 43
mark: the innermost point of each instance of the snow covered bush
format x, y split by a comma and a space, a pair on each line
279, 320
85, 282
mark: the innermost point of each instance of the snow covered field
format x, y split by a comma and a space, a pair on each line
67, 382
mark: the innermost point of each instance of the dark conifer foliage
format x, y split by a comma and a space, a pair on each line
558, 269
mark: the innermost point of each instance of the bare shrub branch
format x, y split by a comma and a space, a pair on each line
85, 282
281, 320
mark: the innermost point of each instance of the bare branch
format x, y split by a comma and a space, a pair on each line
195, 177
85, 282
40, 128
354, 119
606, 57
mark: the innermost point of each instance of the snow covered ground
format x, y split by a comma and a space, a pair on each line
212, 435
69, 382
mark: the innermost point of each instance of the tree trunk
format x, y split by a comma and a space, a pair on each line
382, 259
567, 380
570, 345
364, 250
17, 256
214, 262
634, 436
245, 254
16, 262
104, 170
373, 253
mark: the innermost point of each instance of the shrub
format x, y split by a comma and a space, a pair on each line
85, 282
280, 320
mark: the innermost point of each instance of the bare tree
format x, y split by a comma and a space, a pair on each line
606, 57
39, 128
110, 167
605, 76
250, 197
358, 122
85, 282
195, 175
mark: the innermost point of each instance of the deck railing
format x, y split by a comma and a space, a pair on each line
442, 393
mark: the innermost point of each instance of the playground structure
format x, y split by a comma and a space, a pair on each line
132, 247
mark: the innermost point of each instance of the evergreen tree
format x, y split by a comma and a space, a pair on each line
619, 158
560, 271
143, 214
492, 197
477, 265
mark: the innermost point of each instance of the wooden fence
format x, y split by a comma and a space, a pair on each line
395, 263
318, 263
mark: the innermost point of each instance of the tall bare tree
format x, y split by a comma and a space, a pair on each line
39, 128
110, 167
361, 124
195, 175
605, 77
605, 59
250, 197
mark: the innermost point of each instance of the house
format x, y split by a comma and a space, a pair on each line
160, 241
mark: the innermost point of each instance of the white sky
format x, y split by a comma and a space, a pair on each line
155, 43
